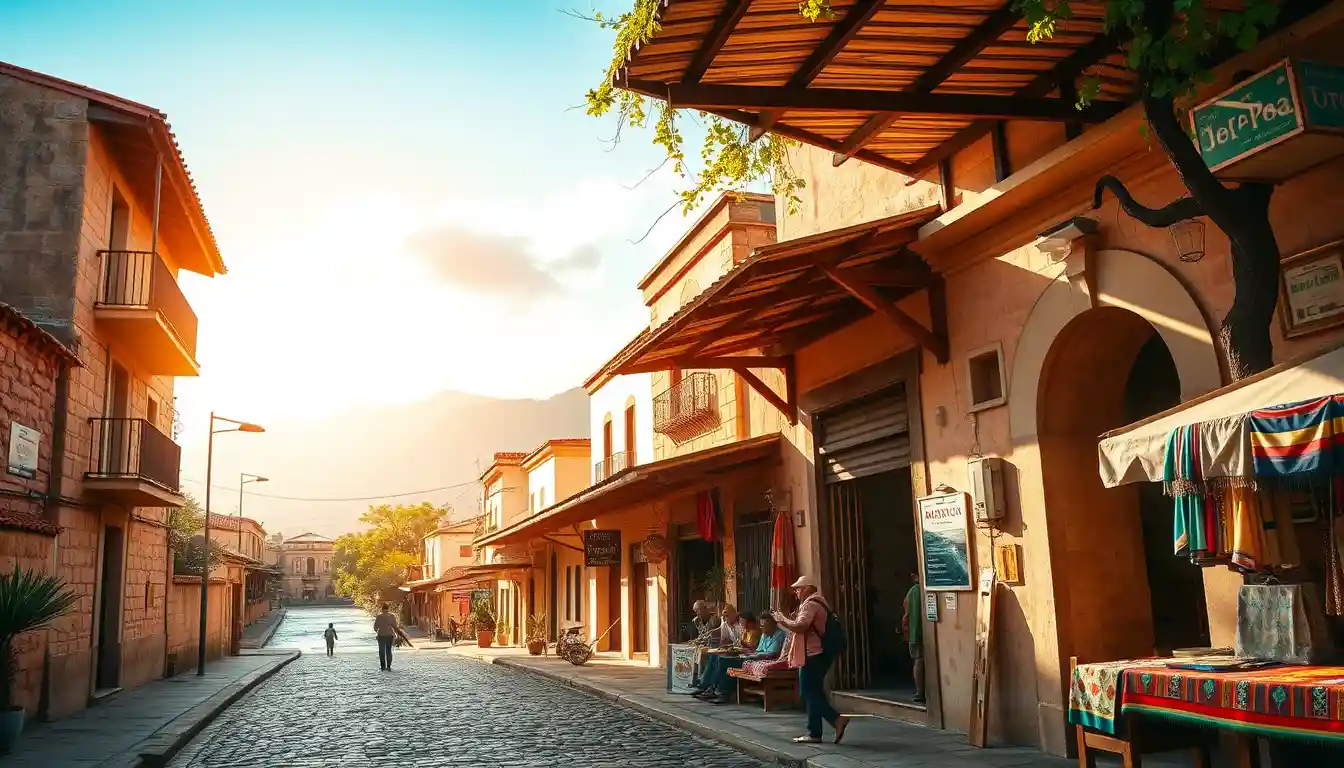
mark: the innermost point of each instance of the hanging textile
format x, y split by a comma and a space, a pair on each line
1334, 558
1297, 438
1224, 453
783, 571
1220, 524
707, 515
1190, 524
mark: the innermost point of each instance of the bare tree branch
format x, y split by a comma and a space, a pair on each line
648, 175
1177, 210
652, 226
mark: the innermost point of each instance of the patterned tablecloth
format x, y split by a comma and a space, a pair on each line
1303, 702
1097, 691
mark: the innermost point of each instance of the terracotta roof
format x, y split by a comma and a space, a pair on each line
19, 324
220, 520
28, 521
603, 375
504, 459
163, 140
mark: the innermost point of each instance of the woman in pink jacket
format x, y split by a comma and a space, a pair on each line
807, 655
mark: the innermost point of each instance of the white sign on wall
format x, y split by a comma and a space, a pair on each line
23, 446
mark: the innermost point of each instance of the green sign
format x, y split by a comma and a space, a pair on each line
1322, 91
1254, 114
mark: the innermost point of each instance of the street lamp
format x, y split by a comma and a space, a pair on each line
244, 479
238, 426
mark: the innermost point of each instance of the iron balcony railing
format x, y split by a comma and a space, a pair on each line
134, 449
141, 280
613, 464
688, 408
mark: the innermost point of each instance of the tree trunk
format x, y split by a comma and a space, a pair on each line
1242, 213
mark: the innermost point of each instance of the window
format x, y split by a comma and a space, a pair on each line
578, 593
569, 590
984, 370
152, 411
464, 550
541, 498
630, 433
312, 566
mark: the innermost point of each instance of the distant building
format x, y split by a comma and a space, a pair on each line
305, 561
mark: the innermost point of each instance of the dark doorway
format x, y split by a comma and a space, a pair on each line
695, 560
109, 620
1176, 586
752, 555
639, 600
613, 606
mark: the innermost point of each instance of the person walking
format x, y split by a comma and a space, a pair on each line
913, 628
331, 638
807, 654
386, 628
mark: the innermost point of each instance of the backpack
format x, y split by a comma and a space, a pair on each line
833, 635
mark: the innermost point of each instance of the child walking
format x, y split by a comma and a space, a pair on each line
331, 638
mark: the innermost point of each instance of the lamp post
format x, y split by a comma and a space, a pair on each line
238, 426
244, 479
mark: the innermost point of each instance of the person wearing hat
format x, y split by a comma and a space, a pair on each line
808, 656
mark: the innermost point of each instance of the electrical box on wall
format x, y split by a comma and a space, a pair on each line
986, 482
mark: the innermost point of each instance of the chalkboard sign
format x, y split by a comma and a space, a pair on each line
601, 548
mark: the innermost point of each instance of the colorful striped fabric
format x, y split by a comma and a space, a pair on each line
1306, 437
1284, 702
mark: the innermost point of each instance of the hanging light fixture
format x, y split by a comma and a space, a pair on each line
1188, 239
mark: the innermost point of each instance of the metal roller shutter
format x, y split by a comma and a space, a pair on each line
865, 439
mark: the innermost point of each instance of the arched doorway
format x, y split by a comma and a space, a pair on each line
1120, 592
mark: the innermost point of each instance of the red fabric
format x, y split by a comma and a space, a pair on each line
704, 515
783, 571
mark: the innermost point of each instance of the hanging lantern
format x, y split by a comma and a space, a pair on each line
1188, 238
655, 548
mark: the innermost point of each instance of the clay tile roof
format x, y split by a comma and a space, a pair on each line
27, 521
17, 323
509, 455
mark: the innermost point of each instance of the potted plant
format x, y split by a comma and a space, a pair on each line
503, 632
483, 621
536, 633
29, 600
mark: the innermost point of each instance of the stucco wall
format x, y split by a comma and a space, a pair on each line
610, 402
541, 486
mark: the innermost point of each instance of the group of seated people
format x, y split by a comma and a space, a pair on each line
735, 641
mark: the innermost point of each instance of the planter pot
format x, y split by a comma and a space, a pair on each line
536, 647
484, 639
11, 725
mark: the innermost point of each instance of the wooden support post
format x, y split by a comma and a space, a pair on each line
876, 302
769, 394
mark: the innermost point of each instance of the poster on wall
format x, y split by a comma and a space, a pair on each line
601, 548
23, 442
1312, 290
945, 537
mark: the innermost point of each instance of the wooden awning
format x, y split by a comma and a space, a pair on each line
787, 295
467, 576
902, 85
642, 484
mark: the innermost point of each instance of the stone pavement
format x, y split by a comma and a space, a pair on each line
870, 742
259, 633
436, 709
144, 725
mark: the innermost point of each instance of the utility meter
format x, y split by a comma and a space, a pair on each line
986, 483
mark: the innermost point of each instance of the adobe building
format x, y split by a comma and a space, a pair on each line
98, 218
946, 292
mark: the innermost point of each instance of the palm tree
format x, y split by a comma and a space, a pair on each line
29, 600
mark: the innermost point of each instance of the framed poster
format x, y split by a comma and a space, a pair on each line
682, 664
1311, 290
601, 548
23, 446
945, 551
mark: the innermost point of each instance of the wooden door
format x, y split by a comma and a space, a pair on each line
613, 607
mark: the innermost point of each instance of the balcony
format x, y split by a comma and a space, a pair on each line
688, 408
141, 309
133, 463
614, 463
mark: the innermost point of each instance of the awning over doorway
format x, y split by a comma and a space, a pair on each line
464, 576
1137, 453
787, 295
900, 85
641, 484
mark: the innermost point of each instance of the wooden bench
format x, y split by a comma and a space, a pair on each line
1139, 739
778, 687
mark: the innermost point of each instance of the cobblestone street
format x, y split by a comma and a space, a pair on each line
433, 709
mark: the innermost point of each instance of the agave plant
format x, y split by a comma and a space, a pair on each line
29, 600
482, 618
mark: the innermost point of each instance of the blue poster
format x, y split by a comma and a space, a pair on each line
944, 533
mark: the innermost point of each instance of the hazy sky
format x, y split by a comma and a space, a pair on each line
403, 193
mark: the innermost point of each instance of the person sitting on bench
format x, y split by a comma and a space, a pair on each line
716, 685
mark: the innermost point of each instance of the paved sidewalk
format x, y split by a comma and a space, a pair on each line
259, 633
145, 725
870, 742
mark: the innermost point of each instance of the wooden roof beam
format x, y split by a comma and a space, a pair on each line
787, 405
706, 363
718, 35
989, 30
823, 54
877, 303
800, 285
751, 120
739, 97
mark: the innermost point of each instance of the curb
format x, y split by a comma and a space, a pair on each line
166, 742
270, 633
792, 758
